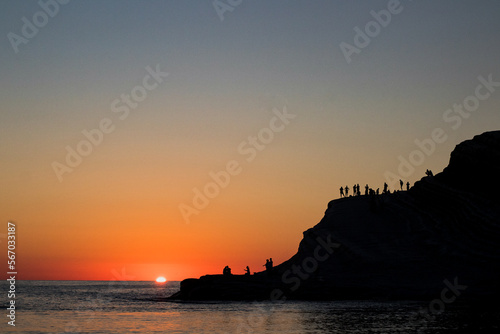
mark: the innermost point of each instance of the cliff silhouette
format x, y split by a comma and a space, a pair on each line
444, 233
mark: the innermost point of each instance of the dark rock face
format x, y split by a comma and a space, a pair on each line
442, 235
474, 166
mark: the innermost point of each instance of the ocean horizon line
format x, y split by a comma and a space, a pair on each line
88, 280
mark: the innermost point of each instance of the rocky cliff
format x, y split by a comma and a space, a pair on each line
441, 235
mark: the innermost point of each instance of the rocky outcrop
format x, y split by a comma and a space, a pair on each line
442, 235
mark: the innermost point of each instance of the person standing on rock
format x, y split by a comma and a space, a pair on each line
366, 190
247, 271
407, 186
346, 191
401, 184
341, 192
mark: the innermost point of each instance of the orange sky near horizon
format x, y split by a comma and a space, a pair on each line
122, 220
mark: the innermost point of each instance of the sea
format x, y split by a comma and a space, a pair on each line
142, 307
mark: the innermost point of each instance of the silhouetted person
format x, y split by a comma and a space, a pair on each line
341, 192
366, 190
429, 173
401, 184
385, 188
407, 186
359, 191
247, 271
346, 191
226, 271
271, 262
378, 192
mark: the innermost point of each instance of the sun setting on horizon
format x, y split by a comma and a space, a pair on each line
161, 279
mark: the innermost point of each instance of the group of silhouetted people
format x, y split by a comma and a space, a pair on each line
355, 189
401, 184
227, 271
269, 265
344, 191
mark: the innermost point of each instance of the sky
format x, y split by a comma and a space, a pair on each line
172, 138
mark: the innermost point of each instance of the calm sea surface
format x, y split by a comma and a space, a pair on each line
138, 307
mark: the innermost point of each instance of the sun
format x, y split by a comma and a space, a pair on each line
161, 279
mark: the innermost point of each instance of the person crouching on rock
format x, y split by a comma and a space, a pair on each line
226, 271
